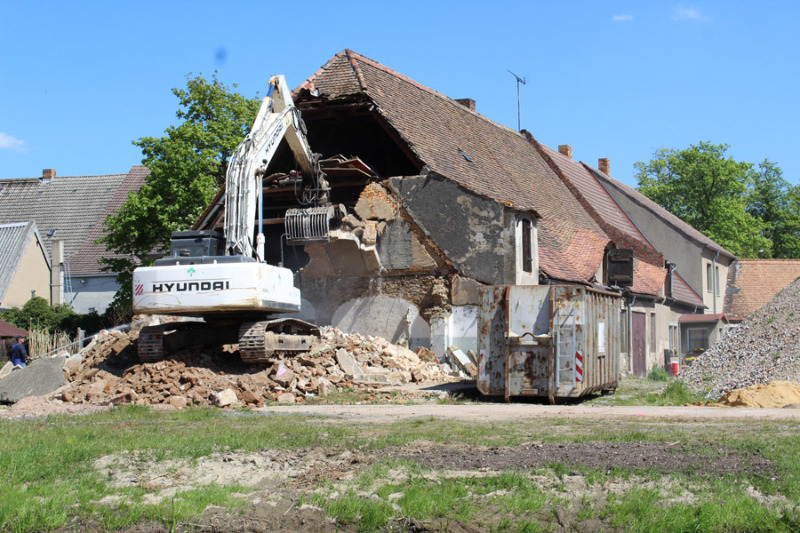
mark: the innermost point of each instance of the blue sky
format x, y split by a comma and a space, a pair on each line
616, 79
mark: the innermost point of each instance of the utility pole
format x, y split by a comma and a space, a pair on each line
523, 82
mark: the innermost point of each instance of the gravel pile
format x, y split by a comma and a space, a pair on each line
763, 348
109, 372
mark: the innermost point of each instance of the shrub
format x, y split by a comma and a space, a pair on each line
658, 374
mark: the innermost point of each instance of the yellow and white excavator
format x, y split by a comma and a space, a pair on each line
222, 279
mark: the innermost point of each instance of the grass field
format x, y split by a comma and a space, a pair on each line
137, 467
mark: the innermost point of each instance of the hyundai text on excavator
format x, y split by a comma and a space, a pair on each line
223, 278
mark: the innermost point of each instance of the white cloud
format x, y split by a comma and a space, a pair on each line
681, 12
11, 143
622, 18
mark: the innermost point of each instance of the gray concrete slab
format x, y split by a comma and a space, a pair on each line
41, 376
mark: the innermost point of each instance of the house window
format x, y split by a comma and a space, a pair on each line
716, 280
527, 246
673, 338
708, 277
652, 332
698, 338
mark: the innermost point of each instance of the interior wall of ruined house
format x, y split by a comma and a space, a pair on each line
407, 269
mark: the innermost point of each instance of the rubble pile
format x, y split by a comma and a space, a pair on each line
109, 372
763, 348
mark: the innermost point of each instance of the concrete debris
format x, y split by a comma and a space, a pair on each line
224, 398
763, 348
462, 361
41, 376
6, 370
109, 372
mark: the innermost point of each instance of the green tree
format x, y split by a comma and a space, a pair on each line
777, 204
37, 314
709, 191
187, 165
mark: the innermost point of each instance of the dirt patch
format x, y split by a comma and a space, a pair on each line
262, 470
633, 456
773, 394
280, 483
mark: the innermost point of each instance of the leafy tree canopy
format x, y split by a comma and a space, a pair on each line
744, 208
187, 165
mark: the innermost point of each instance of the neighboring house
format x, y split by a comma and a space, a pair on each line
658, 295
694, 258
754, 282
24, 264
70, 213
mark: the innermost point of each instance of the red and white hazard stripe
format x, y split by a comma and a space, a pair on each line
578, 367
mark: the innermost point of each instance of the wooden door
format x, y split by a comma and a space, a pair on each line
638, 340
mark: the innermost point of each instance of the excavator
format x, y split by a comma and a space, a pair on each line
222, 280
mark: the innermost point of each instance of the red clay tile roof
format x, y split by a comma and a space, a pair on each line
647, 278
503, 164
701, 318
7, 330
649, 273
684, 293
754, 282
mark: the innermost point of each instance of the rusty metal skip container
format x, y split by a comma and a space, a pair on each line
554, 341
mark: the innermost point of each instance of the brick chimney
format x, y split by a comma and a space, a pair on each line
469, 103
604, 166
48, 174
565, 149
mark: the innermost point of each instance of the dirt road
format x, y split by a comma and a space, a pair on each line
501, 412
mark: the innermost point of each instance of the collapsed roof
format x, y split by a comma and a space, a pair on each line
402, 128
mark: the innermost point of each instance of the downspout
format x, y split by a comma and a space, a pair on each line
631, 302
716, 281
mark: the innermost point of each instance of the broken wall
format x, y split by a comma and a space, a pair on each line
407, 264
476, 234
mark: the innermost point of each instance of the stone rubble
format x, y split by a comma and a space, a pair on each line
763, 348
110, 373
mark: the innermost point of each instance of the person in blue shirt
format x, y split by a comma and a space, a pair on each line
19, 355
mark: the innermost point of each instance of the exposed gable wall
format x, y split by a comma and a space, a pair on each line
32, 274
475, 233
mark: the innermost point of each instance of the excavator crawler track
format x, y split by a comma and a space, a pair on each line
261, 340
151, 343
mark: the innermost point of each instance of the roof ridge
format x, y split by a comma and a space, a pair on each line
59, 178
767, 259
353, 56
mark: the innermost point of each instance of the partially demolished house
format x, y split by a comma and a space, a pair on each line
659, 296
69, 212
439, 200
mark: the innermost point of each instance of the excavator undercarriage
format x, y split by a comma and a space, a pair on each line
258, 340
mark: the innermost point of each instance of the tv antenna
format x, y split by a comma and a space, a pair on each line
523, 81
